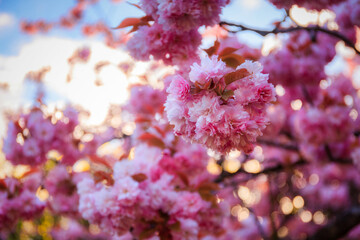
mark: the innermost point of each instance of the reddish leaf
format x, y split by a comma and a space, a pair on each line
219, 89
206, 195
147, 233
27, 173
143, 21
135, 5
236, 75
127, 22
2, 185
152, 140
140, 177
233, 60
159, 130
175, 227
203, 86
123, 156
209, 186
195, 90
100, 176
220, 232
212, 50
227, 51
100, 65
149, 108
205, 190
183, 178
99, 160
146, 18
142, 120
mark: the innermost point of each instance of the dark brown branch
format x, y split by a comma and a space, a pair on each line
357, 133
276, 30
306, 95
337, 160
258, 224
289, 147
280, 167
340, 226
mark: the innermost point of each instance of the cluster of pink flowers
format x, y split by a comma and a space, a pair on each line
332, 190
18, 201
61, 186
31, 136
309, 4
300, 60
152, 101
171, 47
318, 126
174, 36
329, 120
182, 16
347, 17
164, 191
151, 196
206, 108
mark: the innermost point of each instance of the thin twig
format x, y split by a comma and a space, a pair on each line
289, 147
307, 95
258, 224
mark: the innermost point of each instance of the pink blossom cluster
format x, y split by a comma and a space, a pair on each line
171, 47
61, 186
309, 4
31, 136
300, 60
174, 36
18, 201
332, 190
348, 17
152, 101
222, 116
182, 16
318, 126
277, 115
151, 197
329, 121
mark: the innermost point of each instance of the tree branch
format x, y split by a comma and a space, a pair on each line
337, 160
277, 168
340, 226
289, 147
276, 30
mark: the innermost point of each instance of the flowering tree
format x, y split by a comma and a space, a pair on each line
230, 144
